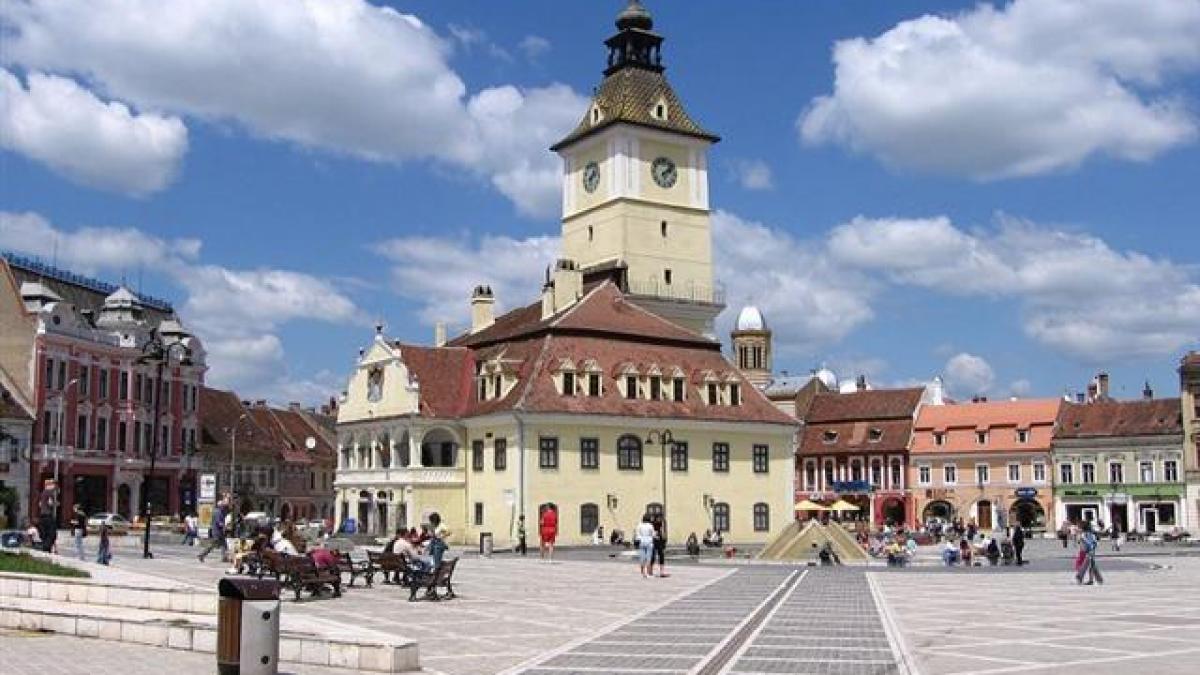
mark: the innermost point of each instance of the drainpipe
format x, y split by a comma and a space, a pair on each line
521, 465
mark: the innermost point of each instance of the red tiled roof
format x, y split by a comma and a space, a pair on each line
219, 413
1155, 417
875, 404
855, 437
445, 376
1002, 420
288, 449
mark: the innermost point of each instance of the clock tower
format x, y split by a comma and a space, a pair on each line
635, 184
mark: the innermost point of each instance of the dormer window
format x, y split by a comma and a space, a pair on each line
631, 386
659, 110
981, 437
735, 393
1022, 435
939, 438
498, 386
713, 394
568, 383
829, 437
655, 387
875, 435
596, 115
593, 384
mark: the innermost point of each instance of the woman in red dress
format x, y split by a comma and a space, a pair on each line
548, 529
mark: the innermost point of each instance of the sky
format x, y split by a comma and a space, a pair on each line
1003, 194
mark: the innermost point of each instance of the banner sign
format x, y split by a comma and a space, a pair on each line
1026, 493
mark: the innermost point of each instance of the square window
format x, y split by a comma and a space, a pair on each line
589, 453
679, 456
548, 453
720, 457
762, 458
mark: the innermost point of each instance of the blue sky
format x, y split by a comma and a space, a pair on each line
1004, 195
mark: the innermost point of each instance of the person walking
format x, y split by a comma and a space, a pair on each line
191, 529
1088, 542
643, 536
548, 529
522, 548
104, 550
79, 529
216, 532
660, 546
1018, 543
1115, 535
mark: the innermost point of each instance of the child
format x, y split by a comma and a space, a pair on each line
103, 554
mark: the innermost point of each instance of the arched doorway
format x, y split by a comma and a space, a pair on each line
893, 511
983, 514
124, 501
1027, 513
364, 510
381, 504
439, 447
938, 510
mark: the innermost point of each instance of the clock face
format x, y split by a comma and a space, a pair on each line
591, 176
664, 172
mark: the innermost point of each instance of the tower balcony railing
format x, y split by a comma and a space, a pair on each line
690, 293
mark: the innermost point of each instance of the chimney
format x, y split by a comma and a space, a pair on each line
1080, 397
1102, 384
568, 284
294, 406
547, 297
1147, 392
861, 383
483, 313
1092, 389
439, 334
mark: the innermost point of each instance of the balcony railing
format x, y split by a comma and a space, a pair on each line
422, 475
693, 293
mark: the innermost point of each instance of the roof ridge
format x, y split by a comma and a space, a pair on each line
579, 303
534, 371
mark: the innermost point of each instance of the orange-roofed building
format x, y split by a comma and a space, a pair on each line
986, 461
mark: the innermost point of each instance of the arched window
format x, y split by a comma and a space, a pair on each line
629, 452
720, 517
589, 518
762, 517
385, 451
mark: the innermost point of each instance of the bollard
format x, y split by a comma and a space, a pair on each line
248, 627
486, 542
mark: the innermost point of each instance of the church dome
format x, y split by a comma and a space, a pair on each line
827, 378
634, 16
750, 319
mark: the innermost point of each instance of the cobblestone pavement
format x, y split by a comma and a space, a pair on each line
1143, 619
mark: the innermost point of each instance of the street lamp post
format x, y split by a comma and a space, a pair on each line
233, 458
664, 438
62, 440
158, 352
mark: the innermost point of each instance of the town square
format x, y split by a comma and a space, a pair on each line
353, 336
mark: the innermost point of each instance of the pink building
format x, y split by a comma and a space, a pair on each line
95, 399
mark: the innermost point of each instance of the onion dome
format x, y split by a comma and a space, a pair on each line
634, 16
750, 318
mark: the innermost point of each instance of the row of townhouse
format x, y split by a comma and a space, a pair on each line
907, 456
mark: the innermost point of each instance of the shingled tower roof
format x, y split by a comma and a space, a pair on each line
634, 85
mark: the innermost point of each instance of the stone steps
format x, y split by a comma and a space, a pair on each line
302, 639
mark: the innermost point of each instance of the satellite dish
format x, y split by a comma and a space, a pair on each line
310, 443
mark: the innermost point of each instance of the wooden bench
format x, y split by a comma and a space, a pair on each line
392, 564
431, 581
299, 573
355, 568
270, 562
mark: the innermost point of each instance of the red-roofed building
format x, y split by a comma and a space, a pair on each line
984, 461
854, 446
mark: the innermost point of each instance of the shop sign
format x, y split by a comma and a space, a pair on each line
851, 486
1025, 493
208, 488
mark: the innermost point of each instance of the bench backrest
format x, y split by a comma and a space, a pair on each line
446, 569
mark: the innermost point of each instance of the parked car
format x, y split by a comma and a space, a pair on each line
115, 521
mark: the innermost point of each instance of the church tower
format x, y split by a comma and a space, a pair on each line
751, 340
635, 184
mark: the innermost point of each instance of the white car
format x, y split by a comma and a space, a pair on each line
116, 523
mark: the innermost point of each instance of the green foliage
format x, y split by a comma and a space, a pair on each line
23, 563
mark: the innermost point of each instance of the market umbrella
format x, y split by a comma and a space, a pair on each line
842, 505
807, 505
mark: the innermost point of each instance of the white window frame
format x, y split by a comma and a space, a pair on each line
1011, 466
925, 474
1111, 465
1039, 468
1170, 471
1083, 473
983, 473
947, 478
1142, 471
1071, 468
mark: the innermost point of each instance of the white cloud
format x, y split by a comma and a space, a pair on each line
345, 76
56, 122
89, 249
1077, 294
752, 174
1028, 89
534, 46
967, 375
438, 273
808, 302
1020, 388
236, 313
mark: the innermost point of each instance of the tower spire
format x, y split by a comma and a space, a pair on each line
635, 45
